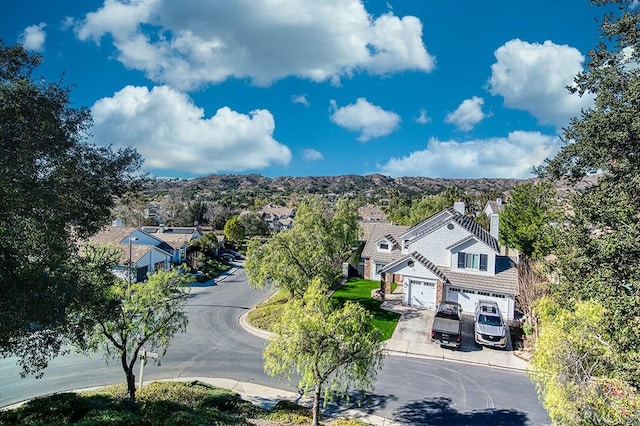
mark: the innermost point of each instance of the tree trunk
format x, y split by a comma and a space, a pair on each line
131, 384
131, 378
316, 406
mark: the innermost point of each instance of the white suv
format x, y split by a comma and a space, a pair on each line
489, 326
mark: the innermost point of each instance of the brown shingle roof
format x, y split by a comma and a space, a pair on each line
378, 232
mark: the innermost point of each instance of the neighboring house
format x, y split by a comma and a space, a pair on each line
371, 213
494, 207
177, 237
448, 256
277, 217
144, 255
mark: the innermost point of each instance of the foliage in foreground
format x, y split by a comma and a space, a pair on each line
159, 403
572, 367
125, 318
332, 349
56, 188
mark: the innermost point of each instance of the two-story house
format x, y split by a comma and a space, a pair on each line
448, 256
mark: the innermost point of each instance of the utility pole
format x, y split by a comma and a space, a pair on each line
131, 239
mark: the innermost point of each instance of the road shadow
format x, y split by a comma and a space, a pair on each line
368, 403
439, 412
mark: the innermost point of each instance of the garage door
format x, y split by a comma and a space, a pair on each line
422, 294
467, 299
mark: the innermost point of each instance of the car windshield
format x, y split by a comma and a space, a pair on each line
490, 320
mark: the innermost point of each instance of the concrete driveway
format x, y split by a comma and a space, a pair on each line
412, 337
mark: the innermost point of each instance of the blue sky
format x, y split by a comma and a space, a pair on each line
454, 89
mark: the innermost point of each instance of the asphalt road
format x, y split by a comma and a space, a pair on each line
408, 390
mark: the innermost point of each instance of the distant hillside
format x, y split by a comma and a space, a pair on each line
376, 184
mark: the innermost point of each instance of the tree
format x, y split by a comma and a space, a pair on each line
333, 350
124, 318
315, 246
573, 367
527, 219
197, 212
56, 189
253, 225
233, 230
598, 255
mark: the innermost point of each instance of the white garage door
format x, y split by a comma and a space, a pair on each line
467, 299
422, 294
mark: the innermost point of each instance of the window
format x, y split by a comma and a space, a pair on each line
472, 261
498, 295
483, 293
384, 246
379, 267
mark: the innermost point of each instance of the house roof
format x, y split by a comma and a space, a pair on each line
175, 237
445, 216
112, 234
494, 206
378, 232
371, 212
504, 281
420, 259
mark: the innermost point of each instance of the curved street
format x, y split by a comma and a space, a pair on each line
408, 390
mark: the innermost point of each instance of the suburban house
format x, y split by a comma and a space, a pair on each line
277, 217
448, 256
177, 237
146, 250
371, 213
494, 206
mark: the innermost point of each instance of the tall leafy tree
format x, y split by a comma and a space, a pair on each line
125, 318
573, 365
55, 189
598, 250
315, 246
527, 219
233, 230
333, 350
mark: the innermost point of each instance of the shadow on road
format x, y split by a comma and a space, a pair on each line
439, 412
368, 403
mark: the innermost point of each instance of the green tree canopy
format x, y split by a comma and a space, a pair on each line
233, 230
573, 367
333, 350
122, 318
598, 255
319, 241
527, 219
55, 189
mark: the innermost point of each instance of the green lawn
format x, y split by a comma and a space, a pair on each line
359, 290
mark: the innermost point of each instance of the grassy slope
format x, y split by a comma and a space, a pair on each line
159, 403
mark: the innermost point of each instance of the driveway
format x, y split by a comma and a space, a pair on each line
412, 337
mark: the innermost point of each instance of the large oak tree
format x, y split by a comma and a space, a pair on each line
55, 188
598, 249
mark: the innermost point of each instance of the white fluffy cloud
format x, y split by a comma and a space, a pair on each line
194, 42
310, 154
172, 133
510, 157
468, 114
533, 77
368, 119
33, 37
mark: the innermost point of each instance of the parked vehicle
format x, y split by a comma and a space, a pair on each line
489, 327
446, 328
